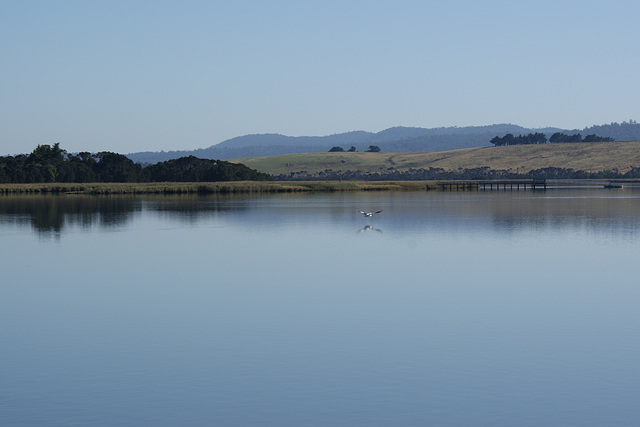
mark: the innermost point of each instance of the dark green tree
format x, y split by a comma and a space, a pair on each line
497, 141
47, 154
193, 169
596, 138
508, 139
43, 163
112, 167
561, 137
537, 138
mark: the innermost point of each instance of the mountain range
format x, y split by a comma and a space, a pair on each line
395, 139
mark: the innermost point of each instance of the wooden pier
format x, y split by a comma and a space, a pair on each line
490, 185
511, 184
458, 185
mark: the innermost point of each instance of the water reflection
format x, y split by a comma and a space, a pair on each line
51, 214
470, 309
575, 209
403, 212
367, 228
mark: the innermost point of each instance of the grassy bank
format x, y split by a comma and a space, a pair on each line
590, 157
214, 187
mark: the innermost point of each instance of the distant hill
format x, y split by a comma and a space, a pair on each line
396, 139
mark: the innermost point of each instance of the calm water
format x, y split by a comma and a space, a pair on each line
510, 308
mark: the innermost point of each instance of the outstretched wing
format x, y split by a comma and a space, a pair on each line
378, 211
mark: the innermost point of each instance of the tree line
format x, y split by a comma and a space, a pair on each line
540, 138
53, 164
338, 149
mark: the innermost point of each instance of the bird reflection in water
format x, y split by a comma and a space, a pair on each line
369, 228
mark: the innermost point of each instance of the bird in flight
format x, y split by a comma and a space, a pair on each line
370, 214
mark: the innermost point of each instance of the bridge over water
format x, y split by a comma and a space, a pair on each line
489, 185
534, 184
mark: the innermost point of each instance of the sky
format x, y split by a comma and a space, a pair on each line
136, 75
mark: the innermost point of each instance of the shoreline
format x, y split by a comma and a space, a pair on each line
266, 187
227, 187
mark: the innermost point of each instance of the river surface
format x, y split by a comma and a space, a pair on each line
479, 308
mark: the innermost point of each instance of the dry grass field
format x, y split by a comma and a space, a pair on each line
590, 157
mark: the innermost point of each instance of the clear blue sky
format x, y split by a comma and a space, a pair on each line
128, 76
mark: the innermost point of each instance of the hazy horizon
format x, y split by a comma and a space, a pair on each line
148, 76
241, 137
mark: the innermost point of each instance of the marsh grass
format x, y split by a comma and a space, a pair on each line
214, 187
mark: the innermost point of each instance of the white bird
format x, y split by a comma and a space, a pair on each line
370, 214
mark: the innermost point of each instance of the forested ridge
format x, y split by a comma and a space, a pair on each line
53, 164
